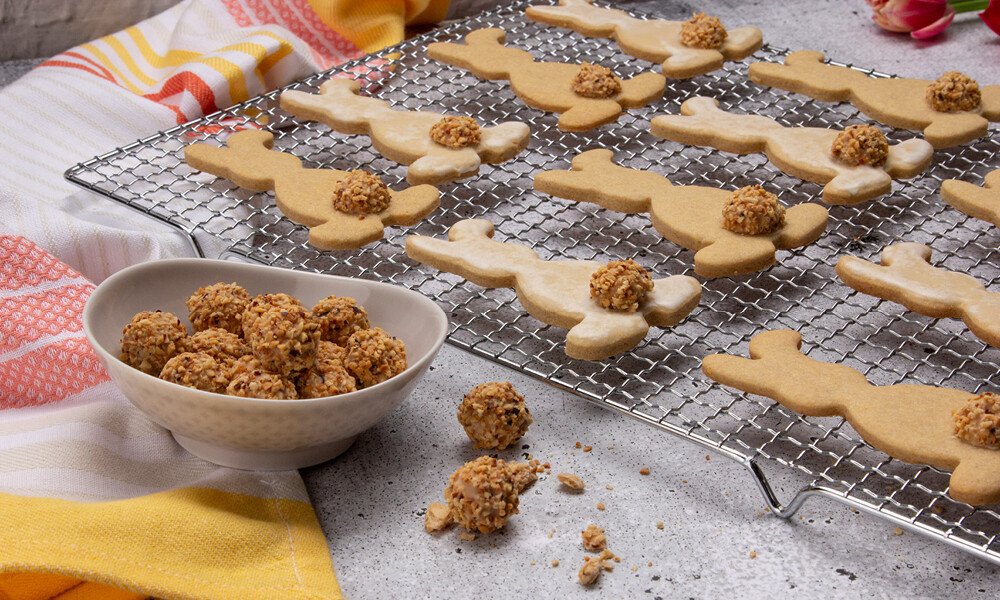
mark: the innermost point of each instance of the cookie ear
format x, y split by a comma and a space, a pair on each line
805, 72
991, 102
483, 54
749, 253
955, 128
247, 159
589, 114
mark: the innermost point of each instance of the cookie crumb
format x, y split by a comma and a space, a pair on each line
573, 482
897, 531
660, 525
609, 487
861, 145
753, 554
438, 517
555, 562
551, 533
494, 415
649, 564
456, 132
590, 571
596, 81
634, 568
600, 506
703, 31
466, 536
954, 92
978, 421
578, 444
620, 285
524, 474
644, 471
361, 193
594, 566
588, 448
708, 457
594, 539
752, 210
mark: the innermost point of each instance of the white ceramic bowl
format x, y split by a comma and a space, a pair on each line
248, 433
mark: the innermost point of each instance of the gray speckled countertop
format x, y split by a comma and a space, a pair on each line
371, 500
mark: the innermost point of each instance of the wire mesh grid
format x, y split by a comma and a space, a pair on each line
660, 381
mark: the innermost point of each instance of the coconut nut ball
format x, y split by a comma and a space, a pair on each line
494, 415
263, 385
752, 210
217, 343
374, 356
262, 304
596, 81
151, 339
620, 285
703, 31
327, 377
481, 495
339, 318
861, 145
195, 370
456, 132
284, 339
218, 305
978, 421
954, 92
361, 193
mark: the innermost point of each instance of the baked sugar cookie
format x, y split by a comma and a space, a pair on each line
655, 40
907, 277
557, 292
913, 423
979, 202
586, 97
312, 196
894, 101
805, 152
688, 215
409, 137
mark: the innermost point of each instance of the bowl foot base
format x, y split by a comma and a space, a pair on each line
253, 460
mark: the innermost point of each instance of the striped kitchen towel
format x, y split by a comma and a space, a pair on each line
96, 501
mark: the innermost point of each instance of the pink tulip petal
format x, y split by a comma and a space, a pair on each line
934, 28
991, 16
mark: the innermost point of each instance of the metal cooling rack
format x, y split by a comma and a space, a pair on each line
659, 382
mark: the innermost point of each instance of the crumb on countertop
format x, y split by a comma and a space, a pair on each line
571, 481
594, 539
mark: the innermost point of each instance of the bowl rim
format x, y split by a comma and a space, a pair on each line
440, 318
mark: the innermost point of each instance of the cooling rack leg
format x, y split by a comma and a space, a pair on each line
773, 503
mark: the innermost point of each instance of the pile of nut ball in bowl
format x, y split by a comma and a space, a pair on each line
269, 347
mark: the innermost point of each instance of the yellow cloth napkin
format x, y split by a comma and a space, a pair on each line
96, 501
